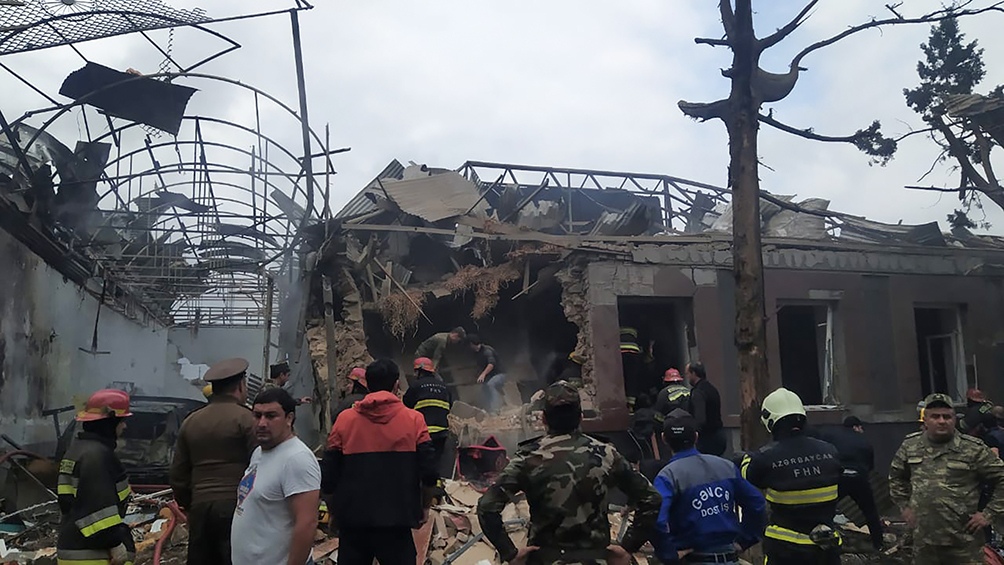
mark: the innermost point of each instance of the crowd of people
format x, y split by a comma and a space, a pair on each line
251, 489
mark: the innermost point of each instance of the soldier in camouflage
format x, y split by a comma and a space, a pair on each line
935, 479
566, 476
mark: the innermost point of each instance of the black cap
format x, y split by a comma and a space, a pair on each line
679, 424
852, 421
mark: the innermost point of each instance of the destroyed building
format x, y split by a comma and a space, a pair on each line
863, 317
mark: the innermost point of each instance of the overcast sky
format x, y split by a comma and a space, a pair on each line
568, 83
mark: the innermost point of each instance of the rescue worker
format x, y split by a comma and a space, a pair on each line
632, 364
433, 400
568, 369
434, 347
935, 480
566, 476
358, 390
674, 394
278, 377
699, 521
93, 488
214, 446
800, 477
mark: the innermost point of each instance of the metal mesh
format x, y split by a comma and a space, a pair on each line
40, 24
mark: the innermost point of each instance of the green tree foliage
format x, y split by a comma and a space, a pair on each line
953, 66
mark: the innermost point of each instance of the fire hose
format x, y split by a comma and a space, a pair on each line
176, 516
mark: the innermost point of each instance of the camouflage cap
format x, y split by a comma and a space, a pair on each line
561, 393
938, 398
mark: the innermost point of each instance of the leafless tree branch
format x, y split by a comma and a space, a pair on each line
806, 133
774, 38
934, 164
713, 42
954, 11
912, 133
728, 17
932, 188
892, 8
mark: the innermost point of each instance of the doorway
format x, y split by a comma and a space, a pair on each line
664, 325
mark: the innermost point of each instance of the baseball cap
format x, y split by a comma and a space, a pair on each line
560, 394
852, 421
679, 424
938, 399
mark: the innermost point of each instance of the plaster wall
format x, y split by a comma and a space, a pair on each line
45, 320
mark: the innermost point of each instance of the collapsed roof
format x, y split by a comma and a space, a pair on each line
185, 215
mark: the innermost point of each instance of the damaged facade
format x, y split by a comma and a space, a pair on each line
864, 317
146, 235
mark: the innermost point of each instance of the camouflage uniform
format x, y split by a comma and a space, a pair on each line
566, 479
941, 483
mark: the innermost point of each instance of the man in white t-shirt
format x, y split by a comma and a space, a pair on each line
278, 497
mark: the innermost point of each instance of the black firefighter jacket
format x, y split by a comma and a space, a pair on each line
93, 491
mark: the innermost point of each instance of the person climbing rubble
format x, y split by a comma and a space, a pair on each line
566, 476
800, 476
491, 373
93, 488
435, 346
430, 397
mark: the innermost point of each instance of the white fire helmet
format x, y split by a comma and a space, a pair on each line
778, 404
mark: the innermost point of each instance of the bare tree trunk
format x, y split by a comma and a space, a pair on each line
747, 255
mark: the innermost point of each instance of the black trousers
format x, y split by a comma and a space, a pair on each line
783, 553
389, 546
859, 490
209, 532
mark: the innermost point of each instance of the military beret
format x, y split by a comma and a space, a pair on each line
226, 369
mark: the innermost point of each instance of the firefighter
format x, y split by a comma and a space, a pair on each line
633, 365
357, 391
430, 396
800, 477
675, 394
93, 488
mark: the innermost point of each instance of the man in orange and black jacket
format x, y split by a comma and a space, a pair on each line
379, 469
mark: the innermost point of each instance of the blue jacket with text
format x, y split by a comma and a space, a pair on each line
701, 495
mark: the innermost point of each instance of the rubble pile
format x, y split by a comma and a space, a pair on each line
453, 536
33, 542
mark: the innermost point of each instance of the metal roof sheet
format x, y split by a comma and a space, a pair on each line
434, 197
360, 204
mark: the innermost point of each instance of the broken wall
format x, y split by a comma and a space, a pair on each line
44, 321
